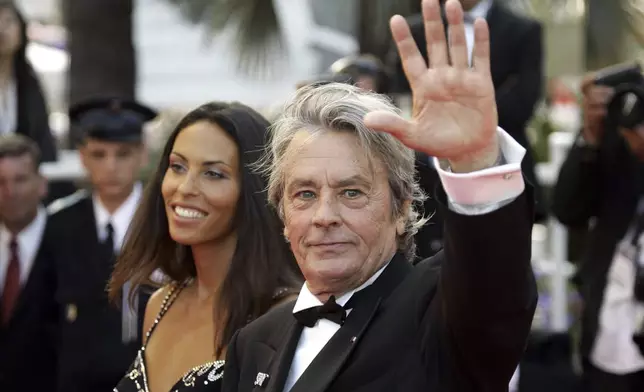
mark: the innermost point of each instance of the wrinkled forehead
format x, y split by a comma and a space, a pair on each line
331, 158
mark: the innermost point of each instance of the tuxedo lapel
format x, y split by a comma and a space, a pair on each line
281, 363
328, 363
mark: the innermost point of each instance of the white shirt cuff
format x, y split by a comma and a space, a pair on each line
487, 187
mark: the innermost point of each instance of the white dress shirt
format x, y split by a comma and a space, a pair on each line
480, 10
28, 245
620, 315
120, 219
472, 193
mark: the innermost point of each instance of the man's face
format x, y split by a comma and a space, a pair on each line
10, 39
112, 166
21, 190
337, 211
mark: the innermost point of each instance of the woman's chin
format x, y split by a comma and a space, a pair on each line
182, 237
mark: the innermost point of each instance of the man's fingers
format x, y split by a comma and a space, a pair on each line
457, 43
389, 123
412, 61
596, 112
481, 50
599, 95
435, 34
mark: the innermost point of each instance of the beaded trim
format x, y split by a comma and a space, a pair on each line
169, 298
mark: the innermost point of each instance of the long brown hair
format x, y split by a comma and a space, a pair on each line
262, 262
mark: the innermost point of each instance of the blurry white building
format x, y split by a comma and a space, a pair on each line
178, 69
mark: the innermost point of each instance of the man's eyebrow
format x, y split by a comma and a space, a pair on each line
354, 180
301, 183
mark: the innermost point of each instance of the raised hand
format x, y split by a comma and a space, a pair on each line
454, 111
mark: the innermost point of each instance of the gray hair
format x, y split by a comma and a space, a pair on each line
341, 108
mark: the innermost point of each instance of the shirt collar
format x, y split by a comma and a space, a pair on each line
121, 218
306, 299
32, 232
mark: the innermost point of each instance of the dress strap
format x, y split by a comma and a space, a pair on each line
170, 297
283, 292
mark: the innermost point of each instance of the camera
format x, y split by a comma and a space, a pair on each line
626, 107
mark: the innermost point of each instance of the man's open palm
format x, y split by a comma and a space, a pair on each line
454, 109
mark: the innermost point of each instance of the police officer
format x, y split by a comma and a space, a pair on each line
98, 340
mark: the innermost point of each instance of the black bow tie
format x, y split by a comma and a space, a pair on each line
331, 310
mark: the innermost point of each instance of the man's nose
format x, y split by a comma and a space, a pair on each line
111, 164
326, 212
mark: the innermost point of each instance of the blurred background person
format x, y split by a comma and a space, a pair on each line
98, 341
23, 108
602, 181
22, 104
27, 308
205, 223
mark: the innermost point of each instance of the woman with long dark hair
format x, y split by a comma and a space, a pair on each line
22, 104
205, 223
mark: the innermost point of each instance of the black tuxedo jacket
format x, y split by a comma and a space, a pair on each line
27, 343
516, 61
91, 354
456, 322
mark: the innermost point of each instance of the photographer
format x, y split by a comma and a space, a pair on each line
600, 187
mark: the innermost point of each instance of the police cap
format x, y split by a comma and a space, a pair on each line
111, 119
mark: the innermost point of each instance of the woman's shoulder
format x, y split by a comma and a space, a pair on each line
284, 295
157, 301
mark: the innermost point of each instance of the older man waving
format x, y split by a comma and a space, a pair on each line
341, 170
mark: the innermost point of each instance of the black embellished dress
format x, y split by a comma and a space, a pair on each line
206, 377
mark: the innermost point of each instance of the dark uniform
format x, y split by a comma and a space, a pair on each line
93, 353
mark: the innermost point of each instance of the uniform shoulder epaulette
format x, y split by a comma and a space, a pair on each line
67, 201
